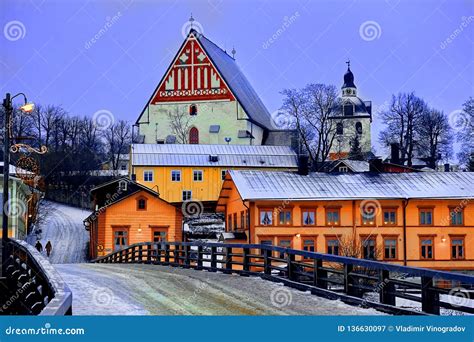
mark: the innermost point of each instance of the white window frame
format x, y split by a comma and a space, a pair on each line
151, 173
194, 175
179, 175
343, 168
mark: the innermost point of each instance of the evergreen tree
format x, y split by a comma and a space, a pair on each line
356, 150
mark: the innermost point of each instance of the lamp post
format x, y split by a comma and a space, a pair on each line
8, 109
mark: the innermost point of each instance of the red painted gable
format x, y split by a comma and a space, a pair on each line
192, 77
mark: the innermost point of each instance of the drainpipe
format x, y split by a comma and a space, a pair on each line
405, 204
353, 224
248, 222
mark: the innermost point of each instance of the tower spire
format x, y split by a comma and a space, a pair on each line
348, 64
191, 20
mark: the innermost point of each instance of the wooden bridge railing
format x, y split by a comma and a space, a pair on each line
31, 285
354, 281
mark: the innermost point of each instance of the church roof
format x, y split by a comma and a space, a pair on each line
348, 79
234, 78
360, 107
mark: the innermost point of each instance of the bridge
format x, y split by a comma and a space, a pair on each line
217, 279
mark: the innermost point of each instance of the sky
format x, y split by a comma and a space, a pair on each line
48, 49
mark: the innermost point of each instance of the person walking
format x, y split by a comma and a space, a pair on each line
48, 248
39, 246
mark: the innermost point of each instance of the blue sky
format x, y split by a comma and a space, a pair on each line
393, 46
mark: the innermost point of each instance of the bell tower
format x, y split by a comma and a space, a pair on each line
352, 120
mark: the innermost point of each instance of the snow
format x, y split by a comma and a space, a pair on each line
63, 226
133, 289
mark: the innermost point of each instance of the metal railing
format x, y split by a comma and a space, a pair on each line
31, 285
386, 287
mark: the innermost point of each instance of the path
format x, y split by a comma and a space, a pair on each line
64, 227
134, 289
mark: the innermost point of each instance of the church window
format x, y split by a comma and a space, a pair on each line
348, 109
193, 136
193, 110
358, 128
339, 128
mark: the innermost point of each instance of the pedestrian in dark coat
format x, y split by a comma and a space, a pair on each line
48, 248
39, 246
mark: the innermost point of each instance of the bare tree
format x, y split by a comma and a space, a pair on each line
311, 110
118, 138
401, 120
435, 136
180, 123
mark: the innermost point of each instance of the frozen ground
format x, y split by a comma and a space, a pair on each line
108, 289
63, 226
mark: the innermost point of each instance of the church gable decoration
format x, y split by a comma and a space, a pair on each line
192, 77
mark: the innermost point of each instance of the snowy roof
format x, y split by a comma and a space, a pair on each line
354, 165
323, 186
361, 108
227, 155
237, 82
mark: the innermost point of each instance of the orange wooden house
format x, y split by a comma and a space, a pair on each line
125, 213
421, 219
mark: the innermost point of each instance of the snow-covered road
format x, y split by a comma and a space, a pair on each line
111, 289
63, 226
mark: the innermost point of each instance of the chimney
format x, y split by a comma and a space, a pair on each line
447, 167
375, 165
395, 153
303, 167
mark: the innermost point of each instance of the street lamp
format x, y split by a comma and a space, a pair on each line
8, 123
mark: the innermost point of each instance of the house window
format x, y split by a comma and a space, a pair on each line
333, 217
285, 243
309, 217
235, 221
358, 128
348, 109
176, 176
284, 217
159, 236
120, 239
266, 217
187, 195
389, 217
339, 128
197, 175
148, 176
309, 244
123, 167
456, 216
457, 247
368, 248
390, 248
368, 217
194, 136
141, 203
343, 169
426, 216
223, 173
332, 246
242, 219
229, 221
193, 110
427, 248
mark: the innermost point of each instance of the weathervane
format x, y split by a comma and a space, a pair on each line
233, 52
191, 20
348, 63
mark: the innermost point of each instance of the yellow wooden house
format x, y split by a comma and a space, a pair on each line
182, 172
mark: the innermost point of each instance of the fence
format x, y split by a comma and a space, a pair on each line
33, 286
355, 281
